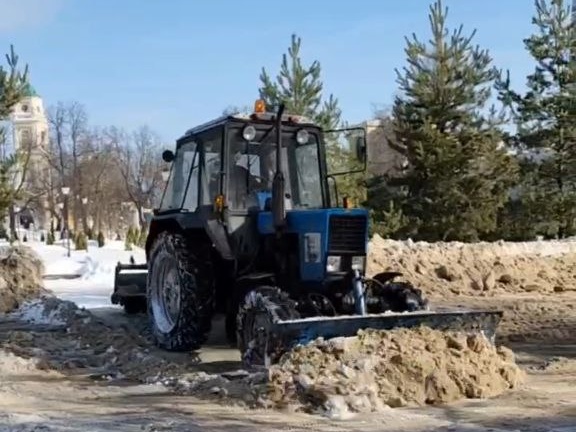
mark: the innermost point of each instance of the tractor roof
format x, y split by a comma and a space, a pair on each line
289, 119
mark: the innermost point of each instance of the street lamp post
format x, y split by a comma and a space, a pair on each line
17, 222
84, 202
65, 192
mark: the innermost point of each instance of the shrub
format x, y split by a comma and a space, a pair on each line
142, 238
100, 239
81, 241
127, 244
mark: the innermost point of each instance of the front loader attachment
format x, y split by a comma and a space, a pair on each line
284, 335
130, 286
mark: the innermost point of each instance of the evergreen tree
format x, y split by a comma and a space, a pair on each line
459, 175
81, 241
12, 83
300, 88
546, 132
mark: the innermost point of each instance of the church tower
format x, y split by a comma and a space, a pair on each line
30, 133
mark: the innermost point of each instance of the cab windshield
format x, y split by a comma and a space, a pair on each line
252, 165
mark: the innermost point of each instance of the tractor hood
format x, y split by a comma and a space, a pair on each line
322, 233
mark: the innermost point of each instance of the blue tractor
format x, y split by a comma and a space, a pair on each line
250, 226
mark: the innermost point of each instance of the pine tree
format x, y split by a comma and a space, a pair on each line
546, 132
12, 82
300, 88
459, 175
81, 241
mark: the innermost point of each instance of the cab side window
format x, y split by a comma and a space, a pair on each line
184, 167
212, 164
192, 166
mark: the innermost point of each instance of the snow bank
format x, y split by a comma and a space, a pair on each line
20, 277
86, 277
40, 311
501, 248
478, 268
86, 264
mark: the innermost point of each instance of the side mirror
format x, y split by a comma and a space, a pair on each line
168, 156
361, 149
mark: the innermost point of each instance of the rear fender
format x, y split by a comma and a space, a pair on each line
247, 283
385, 277
202, 224
157, 226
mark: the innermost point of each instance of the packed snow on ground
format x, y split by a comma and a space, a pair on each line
36, 312
86, 277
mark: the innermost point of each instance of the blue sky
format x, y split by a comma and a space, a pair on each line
175, 63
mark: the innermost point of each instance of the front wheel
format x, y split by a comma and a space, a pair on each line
260, 308
180, 293
395, 296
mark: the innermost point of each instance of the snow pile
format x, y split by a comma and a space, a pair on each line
47, 311
376, 370
89, 345
20, 277
372, 372
478, 268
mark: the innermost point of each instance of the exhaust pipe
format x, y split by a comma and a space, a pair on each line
279, 182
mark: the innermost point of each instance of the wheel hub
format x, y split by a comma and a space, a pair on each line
166, 295
254, 332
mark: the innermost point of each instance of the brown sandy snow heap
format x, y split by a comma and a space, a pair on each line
376, 370
484, 268
21, 272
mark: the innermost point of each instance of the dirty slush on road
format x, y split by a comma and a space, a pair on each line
338, 378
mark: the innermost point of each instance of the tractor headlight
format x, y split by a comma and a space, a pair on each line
333, 263
249, 133
358, 262
302, 136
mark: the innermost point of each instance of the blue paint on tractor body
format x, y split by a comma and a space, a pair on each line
312, 228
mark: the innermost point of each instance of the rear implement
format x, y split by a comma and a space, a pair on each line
130, 286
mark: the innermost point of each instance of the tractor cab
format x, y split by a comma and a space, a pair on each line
227, 171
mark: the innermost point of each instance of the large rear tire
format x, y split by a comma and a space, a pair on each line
180, 292
259, 309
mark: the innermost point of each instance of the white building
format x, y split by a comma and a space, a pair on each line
30, 134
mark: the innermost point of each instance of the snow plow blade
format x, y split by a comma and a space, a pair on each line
288, 334
129, 282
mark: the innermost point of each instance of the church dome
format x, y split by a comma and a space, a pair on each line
29, 91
